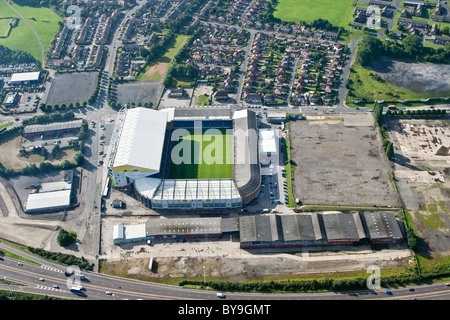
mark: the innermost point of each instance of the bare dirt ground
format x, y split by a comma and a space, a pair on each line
199, 91
339, 163
159, 68
423, 175
9, 157
416, 77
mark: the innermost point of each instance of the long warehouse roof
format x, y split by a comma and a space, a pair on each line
25, 76
48, 200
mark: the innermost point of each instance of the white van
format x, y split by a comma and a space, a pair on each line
220, 295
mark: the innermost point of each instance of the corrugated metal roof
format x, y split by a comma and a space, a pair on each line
37, 128
183, 226
382, 225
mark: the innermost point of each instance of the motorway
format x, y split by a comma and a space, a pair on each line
28, 275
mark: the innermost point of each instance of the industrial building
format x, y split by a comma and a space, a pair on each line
25, 78
50, 196
268, 150
277, 117
139, 157
275, 230
50, 130
174, 228
11, 99
319, 229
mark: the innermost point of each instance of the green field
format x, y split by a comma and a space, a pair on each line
43, 20
157, 70
216, 160
4, 26
337, 12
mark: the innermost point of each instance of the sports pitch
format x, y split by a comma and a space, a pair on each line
205, 156
337, 12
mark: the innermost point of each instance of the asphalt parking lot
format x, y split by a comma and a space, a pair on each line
71, 87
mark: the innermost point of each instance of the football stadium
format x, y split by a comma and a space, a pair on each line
196, 157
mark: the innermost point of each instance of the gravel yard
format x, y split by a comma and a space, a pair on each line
139, 91
339, 163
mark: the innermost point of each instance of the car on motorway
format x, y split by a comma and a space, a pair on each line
108, 293
388, 291
20, 263
220, 295
447, 284
56, 286
41, 279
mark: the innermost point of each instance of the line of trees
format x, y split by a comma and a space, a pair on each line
419, 113
411, 48
65, 259
158, 49
388, 147
8, 56
338, 284
48, 118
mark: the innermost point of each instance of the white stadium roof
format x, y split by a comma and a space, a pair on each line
212, 189
142, 139
147, 186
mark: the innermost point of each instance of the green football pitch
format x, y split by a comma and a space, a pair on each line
201, 156
337, 12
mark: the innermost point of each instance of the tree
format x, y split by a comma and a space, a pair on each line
413, 240
56, 151
389, 150
369, 49
412, 45
65, 238
78, 158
